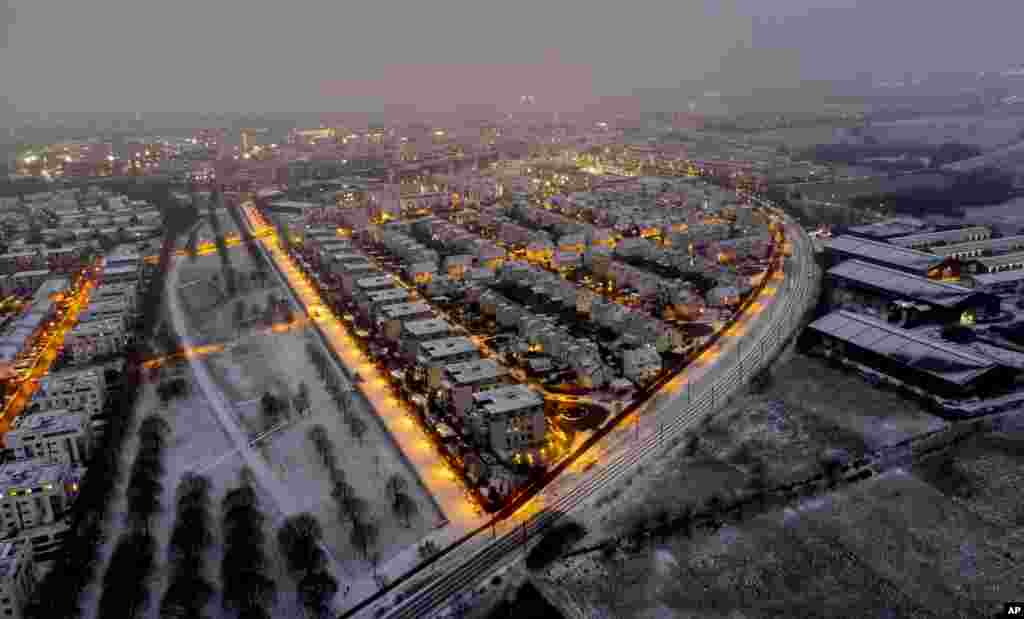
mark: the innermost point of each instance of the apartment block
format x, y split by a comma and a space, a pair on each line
57, 436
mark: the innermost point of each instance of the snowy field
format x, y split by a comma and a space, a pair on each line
196, 443
278, 362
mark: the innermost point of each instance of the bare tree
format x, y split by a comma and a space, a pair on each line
247, 587
357, 427
125, 586
238, 316
323, 445
302, 398
396, 485
364, 536
189, 591
404, 508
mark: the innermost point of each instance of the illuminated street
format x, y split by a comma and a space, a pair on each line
53, 340
442, 483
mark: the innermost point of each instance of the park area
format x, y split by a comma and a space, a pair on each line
268, 355
316, 453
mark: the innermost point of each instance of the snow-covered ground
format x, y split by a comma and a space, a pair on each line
285, 464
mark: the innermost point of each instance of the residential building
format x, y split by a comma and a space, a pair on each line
392, 316
35, 493
373, 302
127, 291
511, 421
116, 307
461, 380
435, 354
24, 283
77, 391
89, 340
641, 365
414, 332
55, 436
17, 578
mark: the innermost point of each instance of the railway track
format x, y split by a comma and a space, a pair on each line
674, 418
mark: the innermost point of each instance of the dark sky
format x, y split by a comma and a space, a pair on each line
320, 55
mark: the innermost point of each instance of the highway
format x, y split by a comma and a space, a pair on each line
688, 399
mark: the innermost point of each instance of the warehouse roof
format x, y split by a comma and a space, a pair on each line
904, 284
874, 251
888, 229
950, 362
1001, 244
955, 235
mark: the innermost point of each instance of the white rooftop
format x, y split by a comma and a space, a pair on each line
50, 423
504, 400
31, 475
429, 326
399, 310
470, 372
447, 347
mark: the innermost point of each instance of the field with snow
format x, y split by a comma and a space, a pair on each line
260, 361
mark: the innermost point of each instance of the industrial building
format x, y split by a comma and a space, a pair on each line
1000, 283
977, 249
901, 297
892, 228
926, 366
995, 264
911, 261
945, 237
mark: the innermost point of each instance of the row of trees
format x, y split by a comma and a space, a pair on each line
126, 582
301, 541
247, 588
267, 315
351, 507
75, 568
189, 589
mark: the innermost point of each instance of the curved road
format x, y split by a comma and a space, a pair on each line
687, 399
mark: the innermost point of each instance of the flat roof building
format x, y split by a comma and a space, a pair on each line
904, 259
34, 493
54, 436
945, 237
511, 420
926, 364
861, 283
77, 391
1004, 262
977, 249
427, 329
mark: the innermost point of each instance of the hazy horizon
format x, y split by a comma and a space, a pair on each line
313, 56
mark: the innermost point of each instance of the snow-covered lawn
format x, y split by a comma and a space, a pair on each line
278, 362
